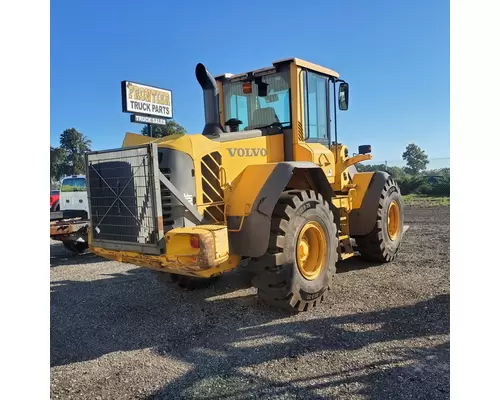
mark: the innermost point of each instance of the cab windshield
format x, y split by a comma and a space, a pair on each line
258, 112
73, 185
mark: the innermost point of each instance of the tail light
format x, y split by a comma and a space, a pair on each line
195, 241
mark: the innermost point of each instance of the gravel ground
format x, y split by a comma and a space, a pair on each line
382, 333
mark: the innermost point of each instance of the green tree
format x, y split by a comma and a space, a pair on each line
439, 172
416, 159
395, 172
370, 167
171, 128
75, 144
58, 163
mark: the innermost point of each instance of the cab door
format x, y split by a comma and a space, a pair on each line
315, 106
74, 193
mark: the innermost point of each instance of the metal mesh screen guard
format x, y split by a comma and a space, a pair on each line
122, 187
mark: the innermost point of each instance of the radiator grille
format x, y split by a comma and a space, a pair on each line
122, 196
212, 190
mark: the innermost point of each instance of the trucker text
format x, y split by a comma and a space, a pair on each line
149, 108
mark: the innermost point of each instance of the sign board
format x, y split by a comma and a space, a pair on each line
146, 100
144, 119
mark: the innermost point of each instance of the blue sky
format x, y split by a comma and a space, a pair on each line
394, 54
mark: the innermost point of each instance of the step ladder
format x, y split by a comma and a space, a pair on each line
345, 248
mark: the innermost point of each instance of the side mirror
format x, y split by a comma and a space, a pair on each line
344, 96
364, 149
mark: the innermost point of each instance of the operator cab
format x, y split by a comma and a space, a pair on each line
264, 102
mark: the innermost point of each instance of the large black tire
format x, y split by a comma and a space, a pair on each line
185, 282
278, 278
76, 247
379, 245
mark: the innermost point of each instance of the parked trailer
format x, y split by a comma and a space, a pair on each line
71, 228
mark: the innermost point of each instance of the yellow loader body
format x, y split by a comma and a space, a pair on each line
266, 181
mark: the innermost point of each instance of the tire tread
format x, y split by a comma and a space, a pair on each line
372, 246
270, 275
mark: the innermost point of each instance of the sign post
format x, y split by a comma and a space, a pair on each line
148, 104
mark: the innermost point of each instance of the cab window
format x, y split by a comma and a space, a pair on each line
258, 112
280, 102
73, 185
239, 108
315, 107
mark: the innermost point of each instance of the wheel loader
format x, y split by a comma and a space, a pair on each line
266, 186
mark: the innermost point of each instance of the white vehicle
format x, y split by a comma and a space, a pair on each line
69, 224
73, 193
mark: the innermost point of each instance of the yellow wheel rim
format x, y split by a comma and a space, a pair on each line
311, 250
393, 220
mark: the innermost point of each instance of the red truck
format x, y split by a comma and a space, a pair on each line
54, 200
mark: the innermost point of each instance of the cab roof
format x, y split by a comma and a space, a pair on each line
299, 62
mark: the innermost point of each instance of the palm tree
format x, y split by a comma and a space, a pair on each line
75, 144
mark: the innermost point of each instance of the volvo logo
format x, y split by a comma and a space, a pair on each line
247, 152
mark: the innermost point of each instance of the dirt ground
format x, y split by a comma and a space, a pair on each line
382, 333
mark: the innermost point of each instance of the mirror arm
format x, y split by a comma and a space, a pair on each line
356, 159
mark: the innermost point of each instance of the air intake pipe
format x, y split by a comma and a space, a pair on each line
210, 99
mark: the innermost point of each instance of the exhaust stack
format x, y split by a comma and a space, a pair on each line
210, 99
